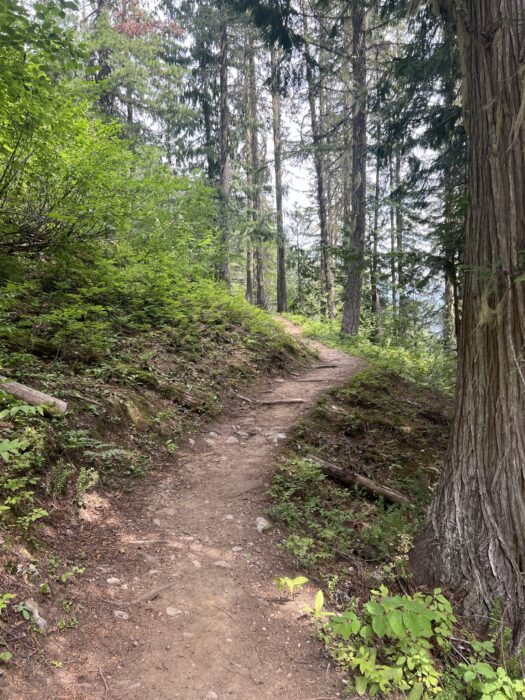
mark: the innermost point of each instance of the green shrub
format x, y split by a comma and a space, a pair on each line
410, 645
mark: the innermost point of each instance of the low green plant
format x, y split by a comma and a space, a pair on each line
406, 644
291, 584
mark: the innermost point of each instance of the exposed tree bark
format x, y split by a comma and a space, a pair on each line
475, 535
282, 300
224, 147
327, 307
354, 279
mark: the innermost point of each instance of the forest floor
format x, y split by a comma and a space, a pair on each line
181, 600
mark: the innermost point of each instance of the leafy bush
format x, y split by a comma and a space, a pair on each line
409, 644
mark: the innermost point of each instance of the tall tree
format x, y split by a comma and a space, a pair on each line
327, 302
475, 536
282, 300
224, 146
354, 280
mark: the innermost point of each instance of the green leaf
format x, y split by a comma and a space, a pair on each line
379, 625
319, 603
417, 692
360, 685
5, 656
395, 620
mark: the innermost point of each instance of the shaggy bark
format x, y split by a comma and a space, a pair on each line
475, 535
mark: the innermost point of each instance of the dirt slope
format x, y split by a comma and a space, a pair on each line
182, 600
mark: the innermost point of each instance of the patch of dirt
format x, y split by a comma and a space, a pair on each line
179, 599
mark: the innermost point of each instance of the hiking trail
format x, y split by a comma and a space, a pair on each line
187, 605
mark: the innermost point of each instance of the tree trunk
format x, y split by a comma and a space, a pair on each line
475, 535
249, 272
224, 147
347, 140
400, 258
449, 335
374, 264
327, 306
393, 280
255, 168
354, 280
282, 301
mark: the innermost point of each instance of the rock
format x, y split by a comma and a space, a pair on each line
236, 549
210, 443
212, 696
35, 615
173, 611
213, 435
221, 564
191, 441
156, 522
228, 517
232, 440
261, 524
196, 564
113, 581
121, 615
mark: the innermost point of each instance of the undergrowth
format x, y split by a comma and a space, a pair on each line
392, 640
382, 427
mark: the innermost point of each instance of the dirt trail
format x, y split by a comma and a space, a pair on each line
216, 627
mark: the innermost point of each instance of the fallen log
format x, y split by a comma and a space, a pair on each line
324, 366
269, 402
279, 402
350, 478
32, 396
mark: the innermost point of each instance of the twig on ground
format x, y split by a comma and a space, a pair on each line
106, 687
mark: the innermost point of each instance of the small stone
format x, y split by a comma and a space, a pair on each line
236, 549
191, 442
261, 524
172, 612
113, 581
121, 615
196, 564
221, 564
156, 522
124, 587
232, 440
212, 696
213, 435
228, 517
153, 572
35, 615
